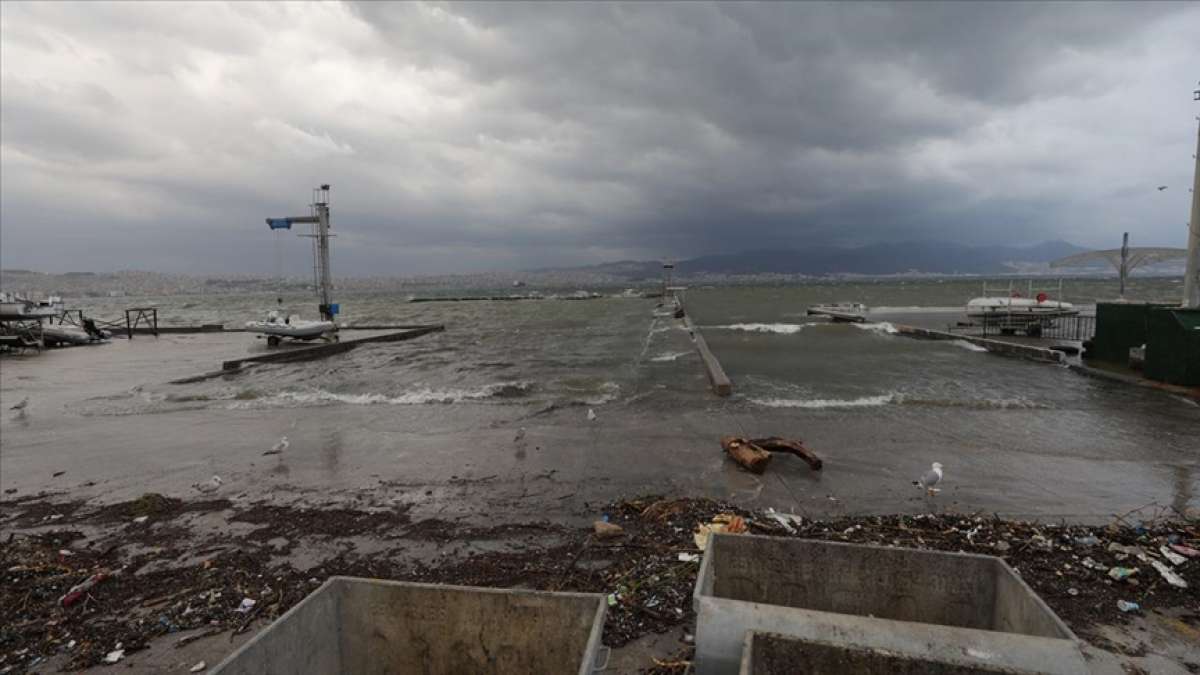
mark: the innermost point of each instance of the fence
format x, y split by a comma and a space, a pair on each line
1078, 327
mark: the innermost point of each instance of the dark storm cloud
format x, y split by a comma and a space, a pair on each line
478, 136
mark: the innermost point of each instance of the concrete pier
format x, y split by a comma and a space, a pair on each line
996, 346
329, 349
721, 384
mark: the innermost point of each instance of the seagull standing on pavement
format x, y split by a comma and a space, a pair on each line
209, 486
930, 479
279, 446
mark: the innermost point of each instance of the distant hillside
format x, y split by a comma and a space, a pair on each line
899, 258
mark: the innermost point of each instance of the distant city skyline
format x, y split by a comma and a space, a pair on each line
465, 138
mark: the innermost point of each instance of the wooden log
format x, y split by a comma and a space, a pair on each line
751, 457
795, 447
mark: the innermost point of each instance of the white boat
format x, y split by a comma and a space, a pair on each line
276, 328
60, 334
16, 308
1019, 308
1011, 311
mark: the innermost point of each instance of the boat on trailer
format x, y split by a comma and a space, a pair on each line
277, 326
1011, 311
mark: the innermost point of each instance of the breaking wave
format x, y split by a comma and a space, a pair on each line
780, 328
819, 403
969, 346
669, 357
881, 327
417, 397
895, 398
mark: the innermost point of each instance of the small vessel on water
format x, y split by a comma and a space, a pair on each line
852, 312
278, 325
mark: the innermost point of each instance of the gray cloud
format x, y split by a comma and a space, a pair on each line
478, 136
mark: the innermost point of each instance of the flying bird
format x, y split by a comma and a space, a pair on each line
930, 479
279, 446
209, 486
1162, 187
22, 405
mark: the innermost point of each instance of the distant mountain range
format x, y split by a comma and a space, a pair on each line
918, 257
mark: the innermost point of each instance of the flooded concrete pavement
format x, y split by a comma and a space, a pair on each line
466, 457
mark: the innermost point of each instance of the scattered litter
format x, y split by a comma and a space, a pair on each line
1174, 557
71, 644
606, 530
689, 557
1088, 540
591, 415
1185, 550
66, 553
247, 605
199, 667
1126, 606
1072, 591
1170, 576
141, 519
786, 520
612, 599
115, 655
1120, 573
57, 474
79, 590
1002, 546
724, 522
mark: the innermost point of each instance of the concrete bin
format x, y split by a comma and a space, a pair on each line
953, 608
366, 626
775, 654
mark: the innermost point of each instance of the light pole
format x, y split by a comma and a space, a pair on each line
1191, 279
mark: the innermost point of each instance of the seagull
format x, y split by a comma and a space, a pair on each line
279, 447
209, 486
591, 415
1162, 187
931, 478
22, 405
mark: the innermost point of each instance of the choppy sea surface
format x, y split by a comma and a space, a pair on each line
560, 352
1021, 437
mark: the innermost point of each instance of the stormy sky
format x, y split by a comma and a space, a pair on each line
471, 137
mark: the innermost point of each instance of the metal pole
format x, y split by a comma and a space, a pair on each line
323, 246
1191, 279
1124, 269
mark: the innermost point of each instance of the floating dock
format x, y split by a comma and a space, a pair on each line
329, 349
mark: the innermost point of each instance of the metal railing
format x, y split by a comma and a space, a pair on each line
1078, 327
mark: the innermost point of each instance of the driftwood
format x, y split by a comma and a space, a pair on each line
751, 457
795, 447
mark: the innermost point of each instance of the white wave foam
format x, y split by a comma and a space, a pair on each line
818, 403
611, 390
670, 357
780, 328
881, 327
418, 397
969, 346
